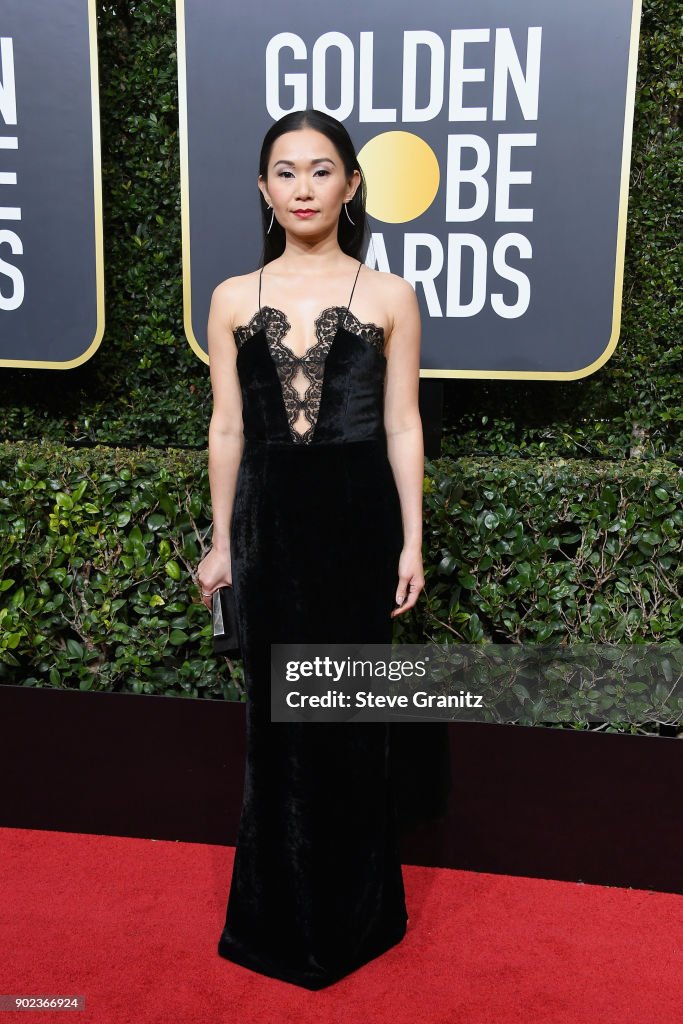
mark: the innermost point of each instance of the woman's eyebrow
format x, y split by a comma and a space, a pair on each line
317, 160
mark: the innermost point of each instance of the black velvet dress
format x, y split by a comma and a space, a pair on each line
316, 534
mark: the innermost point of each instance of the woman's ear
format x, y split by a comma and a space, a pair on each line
354, 183
262, 187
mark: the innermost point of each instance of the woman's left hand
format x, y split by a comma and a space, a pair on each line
410, 580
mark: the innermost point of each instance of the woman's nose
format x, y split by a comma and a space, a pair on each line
303, 189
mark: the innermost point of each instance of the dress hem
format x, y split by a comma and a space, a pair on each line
231, 951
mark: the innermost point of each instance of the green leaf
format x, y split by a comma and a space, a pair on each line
447, 565
467, 580
173, 569
75, 649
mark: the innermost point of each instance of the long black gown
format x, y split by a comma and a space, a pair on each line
316, 534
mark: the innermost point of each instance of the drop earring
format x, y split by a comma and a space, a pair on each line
271, 219
349, 215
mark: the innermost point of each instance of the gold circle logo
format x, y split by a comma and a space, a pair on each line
402, 176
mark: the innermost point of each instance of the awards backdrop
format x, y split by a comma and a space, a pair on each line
495, 140
51, 262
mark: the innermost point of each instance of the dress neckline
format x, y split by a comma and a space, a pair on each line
280, 326
302, 377
320, 323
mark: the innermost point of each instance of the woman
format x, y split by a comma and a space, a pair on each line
316, 469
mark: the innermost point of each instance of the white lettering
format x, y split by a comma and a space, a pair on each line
8, 95
345, 47
434, 43
377, 258
455, 175
426, 276
460, 74
15, 275
507, 69
507, 63
454, 305
297, 82
506, 177
507, 273
366, 111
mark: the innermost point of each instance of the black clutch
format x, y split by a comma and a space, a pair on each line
225, 631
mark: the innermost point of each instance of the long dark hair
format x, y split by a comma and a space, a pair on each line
352, 237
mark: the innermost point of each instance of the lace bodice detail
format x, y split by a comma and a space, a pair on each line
301, 377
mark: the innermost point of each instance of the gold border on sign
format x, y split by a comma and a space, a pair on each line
99, 233
185, 182
431, 373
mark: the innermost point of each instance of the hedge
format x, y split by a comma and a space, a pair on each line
145, 386
100, 544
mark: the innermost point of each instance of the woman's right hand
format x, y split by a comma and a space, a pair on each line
213, 571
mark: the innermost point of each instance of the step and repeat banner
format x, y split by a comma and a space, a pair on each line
495, 140
51, 262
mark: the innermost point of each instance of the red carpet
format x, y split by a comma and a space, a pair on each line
132, 924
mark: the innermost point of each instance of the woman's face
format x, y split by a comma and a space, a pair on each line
307, 183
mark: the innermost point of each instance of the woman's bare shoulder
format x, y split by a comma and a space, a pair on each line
235, 294
396, 294
237, 285
393, 287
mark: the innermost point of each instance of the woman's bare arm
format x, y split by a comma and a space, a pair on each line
226, 434
226, 440
403, 425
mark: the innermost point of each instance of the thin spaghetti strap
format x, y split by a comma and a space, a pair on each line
348, 305
260, 314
